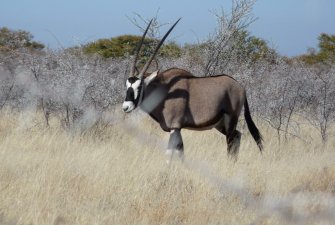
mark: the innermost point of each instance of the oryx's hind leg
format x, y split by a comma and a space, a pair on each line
233, 142
233, 136
175, 145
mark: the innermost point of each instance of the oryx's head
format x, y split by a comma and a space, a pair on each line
136, 82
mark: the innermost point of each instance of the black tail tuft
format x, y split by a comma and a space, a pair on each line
252, 127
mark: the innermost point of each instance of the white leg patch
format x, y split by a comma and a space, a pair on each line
169, 155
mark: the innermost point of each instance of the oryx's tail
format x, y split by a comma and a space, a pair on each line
252, 127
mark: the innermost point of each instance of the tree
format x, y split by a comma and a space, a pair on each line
251, 48
326, 51
13, 40
125, 45
321, 111
327, 47
230, 43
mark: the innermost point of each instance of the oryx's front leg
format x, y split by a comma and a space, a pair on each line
175, 145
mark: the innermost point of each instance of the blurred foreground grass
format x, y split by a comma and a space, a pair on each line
116, 174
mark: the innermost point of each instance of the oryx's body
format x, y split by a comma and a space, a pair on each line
176, 99
198, 103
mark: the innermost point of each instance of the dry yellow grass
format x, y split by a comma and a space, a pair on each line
118, 175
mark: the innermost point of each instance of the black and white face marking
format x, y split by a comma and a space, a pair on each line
134, 86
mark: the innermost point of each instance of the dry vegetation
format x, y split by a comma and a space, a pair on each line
116, 174
67, 158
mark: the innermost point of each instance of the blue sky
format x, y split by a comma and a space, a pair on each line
290, 26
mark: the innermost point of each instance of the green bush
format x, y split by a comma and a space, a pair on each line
125, 45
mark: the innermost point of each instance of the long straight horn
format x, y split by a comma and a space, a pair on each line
146, 66
133, 68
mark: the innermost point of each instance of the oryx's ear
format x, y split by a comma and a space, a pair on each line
150, 78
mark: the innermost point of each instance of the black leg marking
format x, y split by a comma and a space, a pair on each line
233, 142
233, 136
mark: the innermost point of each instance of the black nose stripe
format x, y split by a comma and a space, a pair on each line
130, 94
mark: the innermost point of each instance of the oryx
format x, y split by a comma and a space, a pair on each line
176, 99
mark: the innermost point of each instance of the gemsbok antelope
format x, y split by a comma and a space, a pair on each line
176, 99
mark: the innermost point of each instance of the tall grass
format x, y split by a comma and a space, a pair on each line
116, 174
